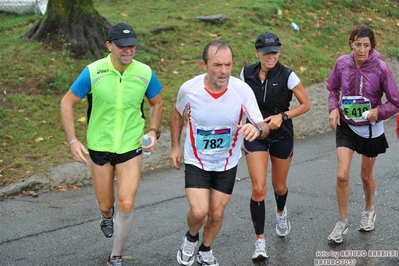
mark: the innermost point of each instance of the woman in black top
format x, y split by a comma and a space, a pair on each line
273, 85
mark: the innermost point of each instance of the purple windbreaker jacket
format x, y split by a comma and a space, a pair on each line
371, 80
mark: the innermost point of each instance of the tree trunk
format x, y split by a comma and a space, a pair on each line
73, 25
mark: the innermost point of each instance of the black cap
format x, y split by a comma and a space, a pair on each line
122, 35
268, 42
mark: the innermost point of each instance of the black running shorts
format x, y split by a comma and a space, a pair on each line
101, 158
281, 149
221, 181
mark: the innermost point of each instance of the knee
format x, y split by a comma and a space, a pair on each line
280, 189
216, 217
125, 205
105, 206
197, 214
342, 179
366, 178
259, 193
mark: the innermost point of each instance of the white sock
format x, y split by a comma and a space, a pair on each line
122, 225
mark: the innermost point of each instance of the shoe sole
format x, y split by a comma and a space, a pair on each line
260, 258
338, 241
108, 236
366, 229
200, 263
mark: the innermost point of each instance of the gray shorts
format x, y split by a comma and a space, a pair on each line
221, 181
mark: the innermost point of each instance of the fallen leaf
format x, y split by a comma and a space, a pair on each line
33, 194
123, 14
82, 120
9, 137
302, 69
70, 187
60, 188
39, 139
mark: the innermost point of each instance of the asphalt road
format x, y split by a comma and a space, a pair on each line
62, 228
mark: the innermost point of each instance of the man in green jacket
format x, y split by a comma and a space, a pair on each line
115, 87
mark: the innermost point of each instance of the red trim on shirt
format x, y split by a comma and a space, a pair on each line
234, 139
216, 95
191, 135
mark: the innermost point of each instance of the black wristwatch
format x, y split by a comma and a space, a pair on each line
285, 116
260, 129
157, 132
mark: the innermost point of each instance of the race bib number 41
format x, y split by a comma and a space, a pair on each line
354, 106
212, 141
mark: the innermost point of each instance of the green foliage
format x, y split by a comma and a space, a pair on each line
11, 20
394, 52
34, 78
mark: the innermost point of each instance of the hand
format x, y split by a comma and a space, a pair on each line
76, 149
334, 119
175, 157
153, 144
373, 115
249, 131
274, 121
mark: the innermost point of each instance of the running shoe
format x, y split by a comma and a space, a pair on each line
283, 226
206, 258
340, 229
367, 222
107, 225
260, 250
115, 261
186, 253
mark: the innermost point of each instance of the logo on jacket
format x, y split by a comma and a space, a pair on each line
102, 71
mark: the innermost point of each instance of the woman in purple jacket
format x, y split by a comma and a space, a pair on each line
356, 85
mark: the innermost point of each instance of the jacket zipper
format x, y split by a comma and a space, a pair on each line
119, 97
264, 88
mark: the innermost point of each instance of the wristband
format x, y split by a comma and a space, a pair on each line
72, 141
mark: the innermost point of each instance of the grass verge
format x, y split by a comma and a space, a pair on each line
34, 79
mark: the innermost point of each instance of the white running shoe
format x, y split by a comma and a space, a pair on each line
283, 226
340, 229
206, 258
367, 222
260, 250
186, 253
